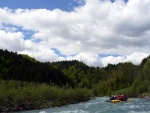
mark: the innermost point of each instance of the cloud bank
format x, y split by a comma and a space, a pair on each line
95, 27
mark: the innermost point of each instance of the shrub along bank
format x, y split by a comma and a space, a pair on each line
15, 95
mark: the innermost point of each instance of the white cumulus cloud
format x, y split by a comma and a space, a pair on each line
95, 27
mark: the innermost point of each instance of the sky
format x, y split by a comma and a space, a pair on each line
96, 32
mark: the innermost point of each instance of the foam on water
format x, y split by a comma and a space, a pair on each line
99, 105
42, 112
75, 111
67, 111
134, 106
139, 112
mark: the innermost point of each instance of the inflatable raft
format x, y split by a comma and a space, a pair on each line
115, 101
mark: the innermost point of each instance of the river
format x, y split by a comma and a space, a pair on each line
99, 105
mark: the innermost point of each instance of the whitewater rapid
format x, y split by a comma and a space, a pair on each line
99, 105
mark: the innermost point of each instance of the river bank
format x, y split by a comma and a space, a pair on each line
26, 105
19, 96
99, 105
16, 96
144, 95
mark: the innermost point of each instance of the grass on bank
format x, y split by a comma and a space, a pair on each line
138, 89
15, 95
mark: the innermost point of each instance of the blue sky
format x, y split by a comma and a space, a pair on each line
66, 5
96, 32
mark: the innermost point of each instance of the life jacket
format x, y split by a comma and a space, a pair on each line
122, 98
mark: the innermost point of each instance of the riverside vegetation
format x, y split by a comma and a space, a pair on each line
16, 95
26, 83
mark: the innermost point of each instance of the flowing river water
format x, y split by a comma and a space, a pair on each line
99, 105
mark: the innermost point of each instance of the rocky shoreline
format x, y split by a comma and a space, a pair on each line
28, 106
24, 106
4, 109
145, 95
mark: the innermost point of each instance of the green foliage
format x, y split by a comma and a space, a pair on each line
17, 95
146, 69
138, 87
125, 78
25, 68
117, 77
80, 74
29, 58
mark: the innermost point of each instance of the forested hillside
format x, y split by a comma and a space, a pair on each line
124, 77
24, 68
80, 74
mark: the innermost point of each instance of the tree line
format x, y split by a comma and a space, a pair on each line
22, 67
121, 77
127, 78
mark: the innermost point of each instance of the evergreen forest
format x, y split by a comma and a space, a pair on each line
26, 83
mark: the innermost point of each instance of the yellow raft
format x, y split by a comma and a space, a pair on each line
115, 101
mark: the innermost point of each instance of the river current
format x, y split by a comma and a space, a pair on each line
99, 105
